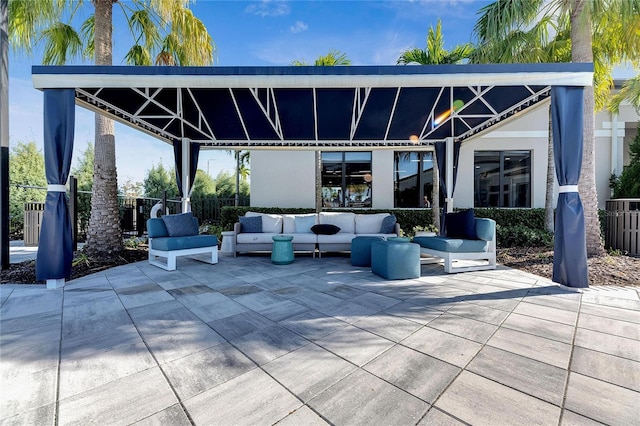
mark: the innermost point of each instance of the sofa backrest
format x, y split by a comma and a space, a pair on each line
343, 220
485, 229
289, 223
369, 223
271, 223
156, 228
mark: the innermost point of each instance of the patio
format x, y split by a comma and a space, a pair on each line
316, 342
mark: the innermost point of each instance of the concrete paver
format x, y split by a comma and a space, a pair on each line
316, 342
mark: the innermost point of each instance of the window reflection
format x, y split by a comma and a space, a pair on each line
413, 179
346, 179
502, 179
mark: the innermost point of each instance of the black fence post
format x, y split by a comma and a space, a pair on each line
140, 223
164, 202
73, 209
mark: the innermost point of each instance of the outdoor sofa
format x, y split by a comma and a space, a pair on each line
251, 237
468, 238
172, 236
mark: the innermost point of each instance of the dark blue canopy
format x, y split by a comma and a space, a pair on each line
55, 248
570, 246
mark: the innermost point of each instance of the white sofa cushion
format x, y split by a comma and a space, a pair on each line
289, 222
339, 238
271, 223
255, 238
344, 220
369, 223
310, 238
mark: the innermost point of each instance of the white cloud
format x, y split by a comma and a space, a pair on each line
269, 8
298, 27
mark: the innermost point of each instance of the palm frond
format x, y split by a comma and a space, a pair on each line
87, 32
333, 58
435, 53
138, 55
26, 21
196, 47
500, 18
143, 27
62, 43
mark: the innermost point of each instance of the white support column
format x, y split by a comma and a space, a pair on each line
186, 184
614, 145
449, 175
53, 284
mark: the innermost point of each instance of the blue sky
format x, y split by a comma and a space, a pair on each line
256, 33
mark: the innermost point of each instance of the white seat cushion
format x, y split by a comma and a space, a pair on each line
255, 238
304, 238
339, 238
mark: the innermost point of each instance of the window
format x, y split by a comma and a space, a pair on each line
502, 179
346, 179
411, 187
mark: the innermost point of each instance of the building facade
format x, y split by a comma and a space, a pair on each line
505, 166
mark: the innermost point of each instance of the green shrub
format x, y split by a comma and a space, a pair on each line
521, 236
208, 228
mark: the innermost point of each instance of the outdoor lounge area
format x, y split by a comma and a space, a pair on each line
319, 341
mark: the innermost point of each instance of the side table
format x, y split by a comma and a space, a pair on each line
282, 252
228, 243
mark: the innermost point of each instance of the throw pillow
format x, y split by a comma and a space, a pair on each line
180, 225
388, 224
325, 229
251, 224
304, 224
461, 225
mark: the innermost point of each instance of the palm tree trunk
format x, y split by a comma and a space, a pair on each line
582, 51
237, 198
548, 199
104, 237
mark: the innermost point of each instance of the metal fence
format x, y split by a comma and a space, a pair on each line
134, 213
623, 225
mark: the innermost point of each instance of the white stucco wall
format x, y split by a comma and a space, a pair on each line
287, 178
283, 179
522, 133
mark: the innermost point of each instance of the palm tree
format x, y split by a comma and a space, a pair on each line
435, 54
242, 170
333, 58
164, 30
532, 44
604, 29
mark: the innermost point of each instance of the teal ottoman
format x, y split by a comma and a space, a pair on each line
361, 250
395, 260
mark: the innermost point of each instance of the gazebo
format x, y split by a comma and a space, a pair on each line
314, 108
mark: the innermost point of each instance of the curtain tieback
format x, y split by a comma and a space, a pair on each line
568, 188
56, 188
